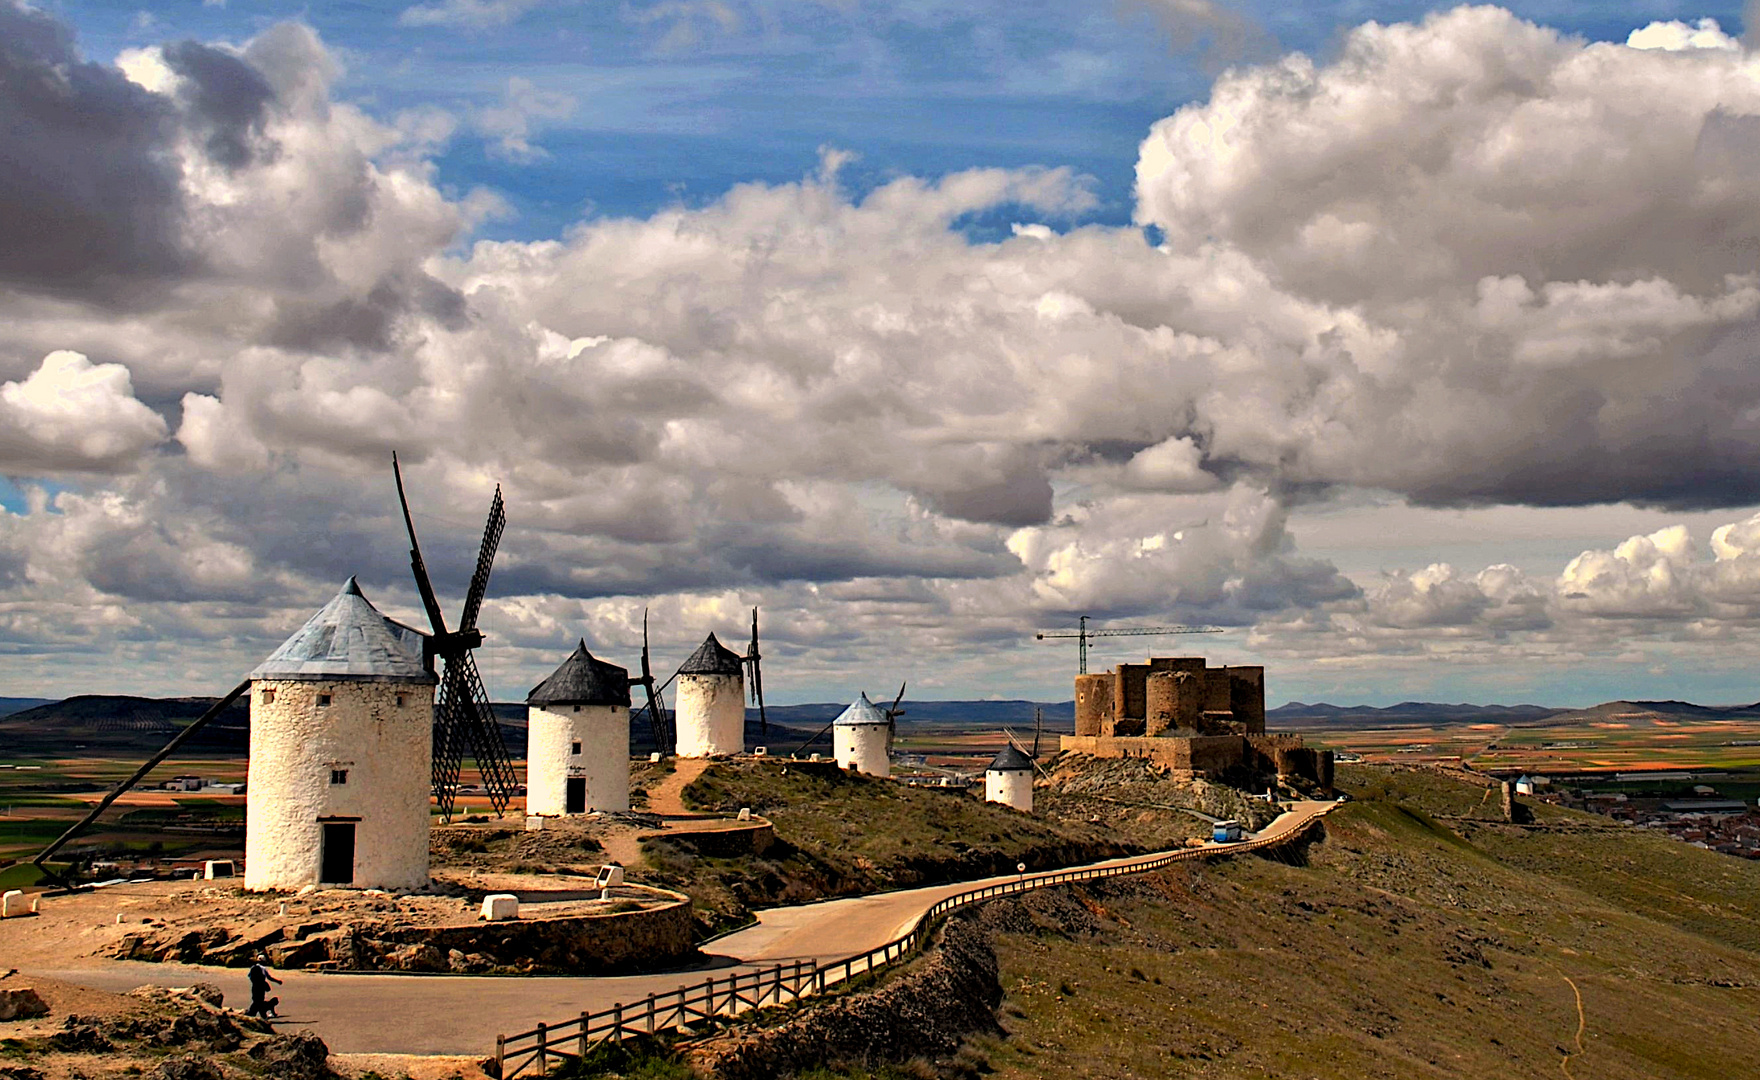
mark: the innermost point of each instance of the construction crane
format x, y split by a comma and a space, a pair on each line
1083, 634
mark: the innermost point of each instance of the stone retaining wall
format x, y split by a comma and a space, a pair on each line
656, 936
753, 839
616, 944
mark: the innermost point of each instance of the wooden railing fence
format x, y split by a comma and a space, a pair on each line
783, 983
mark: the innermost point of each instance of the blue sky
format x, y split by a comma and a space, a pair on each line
669, 106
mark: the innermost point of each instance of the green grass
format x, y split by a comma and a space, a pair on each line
34, 799
20, 876
641, 1058
31, 831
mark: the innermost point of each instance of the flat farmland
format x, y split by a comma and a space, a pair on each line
1634, 742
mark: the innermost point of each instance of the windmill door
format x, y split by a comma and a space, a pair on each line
576, 795
337, 867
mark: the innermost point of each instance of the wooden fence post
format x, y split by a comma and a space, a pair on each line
543, 1050
617, 1019
500, 1056
584, 1026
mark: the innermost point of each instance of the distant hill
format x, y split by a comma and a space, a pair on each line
1298, 714
113, 725
10, 705
119, 726
983, 715
1646, 712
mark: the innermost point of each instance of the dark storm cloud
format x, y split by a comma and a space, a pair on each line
226, 102
323, 324
90, 206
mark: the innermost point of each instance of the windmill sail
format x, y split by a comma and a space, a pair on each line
463, 720
754, 659
665, 739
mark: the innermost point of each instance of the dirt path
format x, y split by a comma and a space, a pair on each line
667, 797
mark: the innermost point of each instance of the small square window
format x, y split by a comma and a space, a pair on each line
338, 776
575, 748
323, 700
269, 695
577, 708
400, 700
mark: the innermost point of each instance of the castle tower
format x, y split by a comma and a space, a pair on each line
711, 702
1093, 702
577, 756
860, 736
342, 719
1009, 780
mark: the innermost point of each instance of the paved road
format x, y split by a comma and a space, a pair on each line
462, 1014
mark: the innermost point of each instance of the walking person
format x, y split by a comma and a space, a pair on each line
262, 1004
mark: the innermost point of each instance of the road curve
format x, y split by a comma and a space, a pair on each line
462, 1014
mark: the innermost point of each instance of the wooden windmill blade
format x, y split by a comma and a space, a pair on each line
478, 727
664, 739
462, 716
892, 716
436, 619
447, 753
755, 660
483, 733
473, 599
449, 737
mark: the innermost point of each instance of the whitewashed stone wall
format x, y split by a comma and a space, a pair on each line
711, 715
1010, 788
602, 731
862, 746
295, 743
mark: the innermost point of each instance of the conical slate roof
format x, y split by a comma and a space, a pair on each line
349, 640
861, 711
1010, 760
583, 679
712, 658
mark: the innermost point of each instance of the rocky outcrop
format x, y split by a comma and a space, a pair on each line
925, 1012
190, 1067
293, 1057
21, 1003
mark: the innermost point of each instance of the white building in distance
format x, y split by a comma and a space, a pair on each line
711, 711
1009, 780
577, 751
342, 718
861, 739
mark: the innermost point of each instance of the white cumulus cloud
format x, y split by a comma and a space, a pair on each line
71, 415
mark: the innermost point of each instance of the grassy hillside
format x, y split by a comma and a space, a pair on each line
1407, 946
1420, 938
839, 834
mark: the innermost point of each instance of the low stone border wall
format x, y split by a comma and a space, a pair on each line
621, 943
753, 839
646, 936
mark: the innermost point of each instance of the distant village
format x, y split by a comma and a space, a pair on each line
1684, 805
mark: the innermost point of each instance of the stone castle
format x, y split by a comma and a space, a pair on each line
1197, 720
